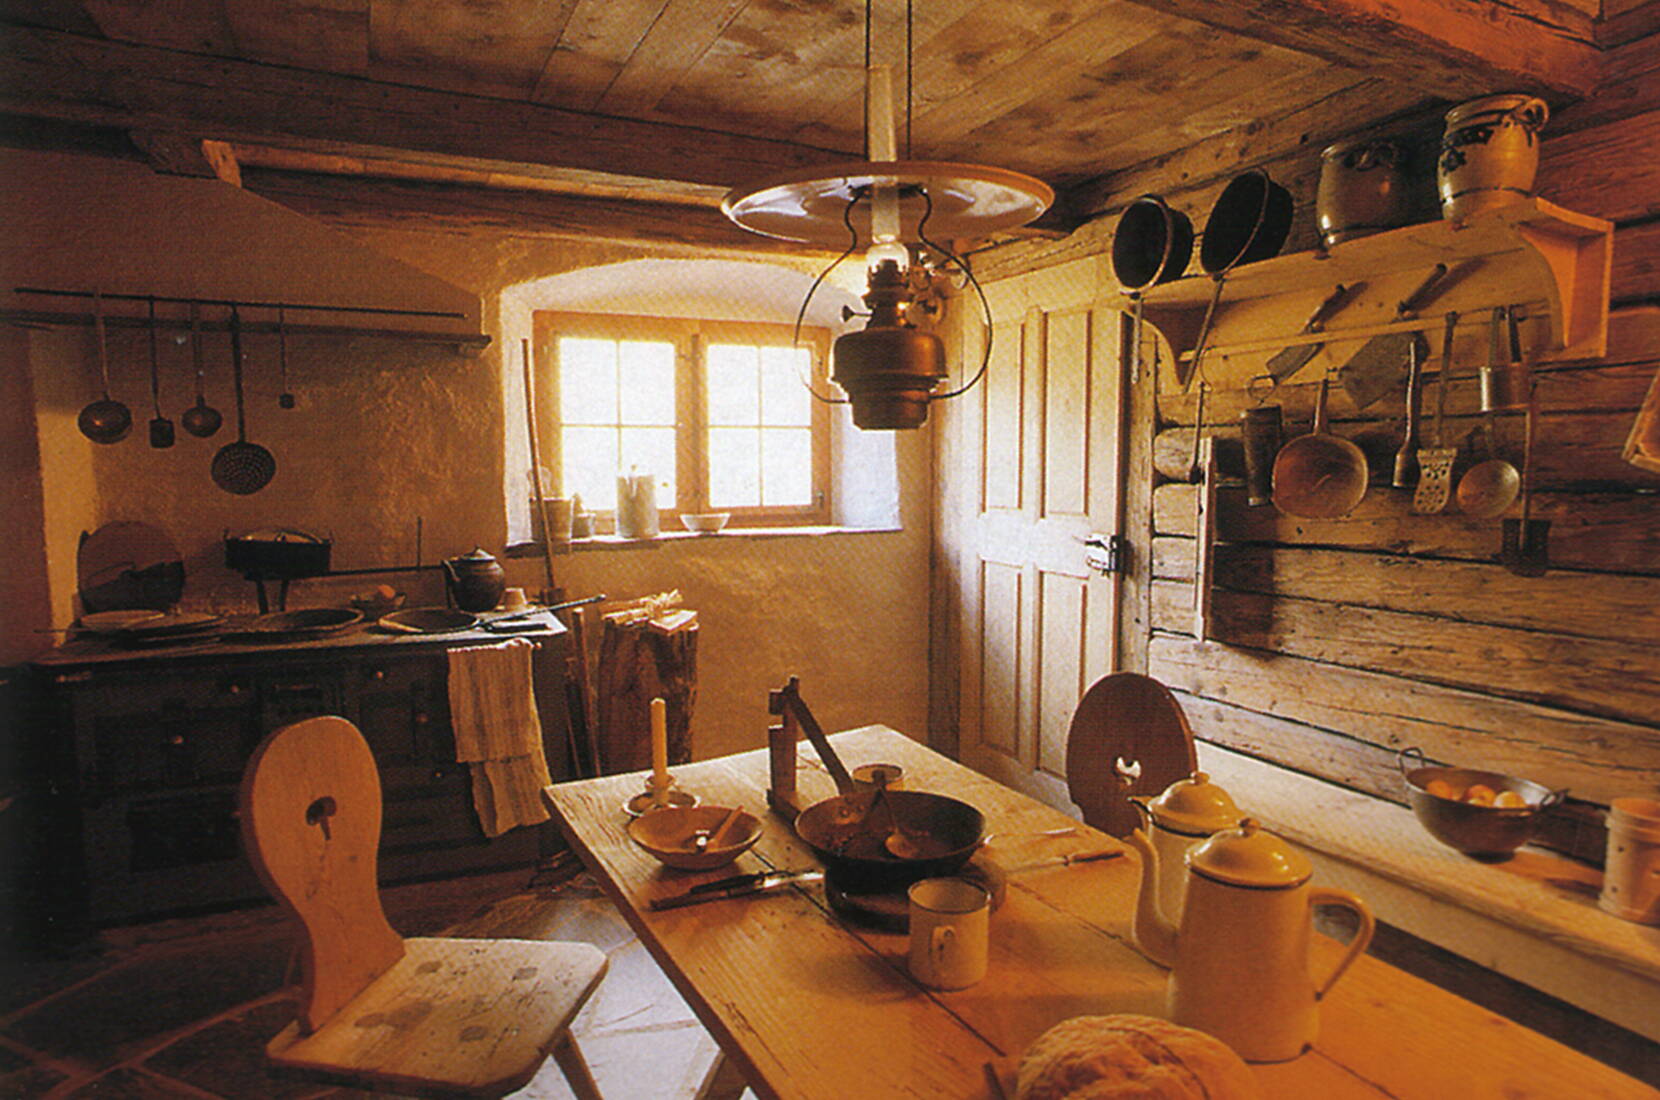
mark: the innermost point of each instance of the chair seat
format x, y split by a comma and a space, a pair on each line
473, 1016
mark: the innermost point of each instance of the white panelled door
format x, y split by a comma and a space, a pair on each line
1044, 449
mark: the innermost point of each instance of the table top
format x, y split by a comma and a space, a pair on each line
810, 1005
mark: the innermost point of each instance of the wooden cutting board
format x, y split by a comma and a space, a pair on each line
1128, 718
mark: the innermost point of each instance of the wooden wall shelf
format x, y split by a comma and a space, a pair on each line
1555, 263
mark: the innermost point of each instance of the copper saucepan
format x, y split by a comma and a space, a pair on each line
1319, 475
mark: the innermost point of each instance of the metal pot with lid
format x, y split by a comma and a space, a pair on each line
1187, 812
476, 580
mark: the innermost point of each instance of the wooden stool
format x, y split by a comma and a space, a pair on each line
447, 1017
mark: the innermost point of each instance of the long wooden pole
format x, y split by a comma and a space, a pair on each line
549, 596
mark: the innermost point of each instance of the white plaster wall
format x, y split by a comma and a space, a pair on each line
388, 431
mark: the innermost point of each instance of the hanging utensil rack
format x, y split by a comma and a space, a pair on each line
463, 341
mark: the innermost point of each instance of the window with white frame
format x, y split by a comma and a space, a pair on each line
718, 412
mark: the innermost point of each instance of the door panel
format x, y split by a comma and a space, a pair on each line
1037, 625
1000, 621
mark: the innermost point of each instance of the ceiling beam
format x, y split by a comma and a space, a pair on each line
143, 88
370, 203
1451, 48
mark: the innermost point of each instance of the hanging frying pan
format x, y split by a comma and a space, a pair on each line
1152, 245
1248, 222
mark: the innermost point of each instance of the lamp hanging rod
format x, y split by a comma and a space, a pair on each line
106, 295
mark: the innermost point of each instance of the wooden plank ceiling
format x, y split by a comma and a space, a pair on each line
669, 102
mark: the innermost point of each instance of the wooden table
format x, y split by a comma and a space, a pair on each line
810, 1005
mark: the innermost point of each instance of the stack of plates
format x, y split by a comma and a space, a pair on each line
159, 629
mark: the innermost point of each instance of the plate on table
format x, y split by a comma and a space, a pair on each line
428, 620
314, 622
115, 622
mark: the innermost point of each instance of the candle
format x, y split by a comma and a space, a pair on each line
659, 743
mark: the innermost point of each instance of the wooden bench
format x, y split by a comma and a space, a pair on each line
1533, 918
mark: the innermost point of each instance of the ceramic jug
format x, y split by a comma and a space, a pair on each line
476, 581
1489, 153
1239, 959
1190, 810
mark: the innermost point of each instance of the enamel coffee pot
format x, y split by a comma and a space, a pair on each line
1190, 810
1240, 957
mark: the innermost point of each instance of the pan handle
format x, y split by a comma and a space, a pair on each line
1406, 754
789, 696
1554, 798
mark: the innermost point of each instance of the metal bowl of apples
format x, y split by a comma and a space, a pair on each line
1486, 815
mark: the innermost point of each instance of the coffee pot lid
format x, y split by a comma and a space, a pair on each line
1195, 805
1248, 856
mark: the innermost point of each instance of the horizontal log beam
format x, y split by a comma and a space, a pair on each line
1591, 675
1453, 48
1614, 532
88, 80
1598, 757
359, 202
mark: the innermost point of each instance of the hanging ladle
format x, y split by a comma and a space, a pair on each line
1525, 549
105, 420
241, 467
285, 399
201, 419
161, 428
1489, 488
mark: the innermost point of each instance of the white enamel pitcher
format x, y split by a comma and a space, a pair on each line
1189, 811
1239, 958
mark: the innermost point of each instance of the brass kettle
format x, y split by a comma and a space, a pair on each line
475, 581
1239, 959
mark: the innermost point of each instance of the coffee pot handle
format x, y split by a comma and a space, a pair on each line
1342, 899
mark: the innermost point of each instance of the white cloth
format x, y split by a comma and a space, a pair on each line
498, 733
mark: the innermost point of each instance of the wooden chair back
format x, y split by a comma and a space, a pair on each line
311, 814
1123, 721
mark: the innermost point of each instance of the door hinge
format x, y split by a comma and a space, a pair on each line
1107, 554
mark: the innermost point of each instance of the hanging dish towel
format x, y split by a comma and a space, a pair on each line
498, 733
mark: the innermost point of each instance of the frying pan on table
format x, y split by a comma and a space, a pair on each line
848, 832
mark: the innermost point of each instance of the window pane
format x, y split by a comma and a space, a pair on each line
647, 382
651, 451
787, 466
734, 384
587, 381
784, 396
589, 466
734, 467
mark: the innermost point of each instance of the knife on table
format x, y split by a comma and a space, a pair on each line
737, 886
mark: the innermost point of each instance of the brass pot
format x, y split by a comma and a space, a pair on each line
1489, 153
1363, 189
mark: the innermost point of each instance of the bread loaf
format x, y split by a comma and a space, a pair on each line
1128, 1057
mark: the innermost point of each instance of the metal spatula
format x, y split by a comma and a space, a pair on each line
1435, 464
1288, 361
1380, 366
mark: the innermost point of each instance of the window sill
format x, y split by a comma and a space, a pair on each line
617, 542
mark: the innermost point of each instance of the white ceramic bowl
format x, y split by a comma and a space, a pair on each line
671, 835
705, 523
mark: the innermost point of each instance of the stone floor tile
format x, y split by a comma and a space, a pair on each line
635, 995
228, 1057
157, 992
665, 1063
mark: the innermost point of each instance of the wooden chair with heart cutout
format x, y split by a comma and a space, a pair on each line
430, 1016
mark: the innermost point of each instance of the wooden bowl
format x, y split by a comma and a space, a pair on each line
670, 835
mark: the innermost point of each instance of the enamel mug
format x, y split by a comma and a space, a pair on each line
950, 927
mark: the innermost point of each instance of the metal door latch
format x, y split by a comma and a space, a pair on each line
1107, 554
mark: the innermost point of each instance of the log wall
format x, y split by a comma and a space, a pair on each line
1335, 643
